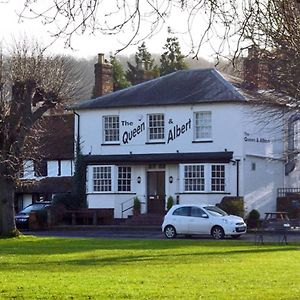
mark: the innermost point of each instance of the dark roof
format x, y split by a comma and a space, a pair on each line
181, 87
57, 140
165, 158
46, 185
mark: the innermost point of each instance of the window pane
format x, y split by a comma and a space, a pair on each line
218, 178
124, 179
111, 128
156, 127
102, 181
203, 125
194, 178
182, 211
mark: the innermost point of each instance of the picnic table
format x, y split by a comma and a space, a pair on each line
274, 223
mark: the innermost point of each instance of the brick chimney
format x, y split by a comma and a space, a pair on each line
256, 69
103, 77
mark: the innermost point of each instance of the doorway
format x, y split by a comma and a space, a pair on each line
156, 192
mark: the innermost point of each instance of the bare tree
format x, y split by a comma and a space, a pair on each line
31, 84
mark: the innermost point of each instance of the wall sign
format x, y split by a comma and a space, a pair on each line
178, 130
247, 138
129, 135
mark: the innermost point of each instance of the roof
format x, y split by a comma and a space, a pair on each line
52, 138
165, 158
46, 185
181, 87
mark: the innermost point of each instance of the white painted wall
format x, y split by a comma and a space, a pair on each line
235, 127
263, 160
226, 119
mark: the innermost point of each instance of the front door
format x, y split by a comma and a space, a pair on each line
156, 192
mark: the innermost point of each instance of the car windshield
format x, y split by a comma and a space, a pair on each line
30, 208
215, 211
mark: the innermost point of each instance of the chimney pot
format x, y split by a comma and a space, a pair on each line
100, 58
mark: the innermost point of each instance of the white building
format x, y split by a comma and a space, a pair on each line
192, 135
52, 174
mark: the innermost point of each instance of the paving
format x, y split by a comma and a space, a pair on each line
147, 233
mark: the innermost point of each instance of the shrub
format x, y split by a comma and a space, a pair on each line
233, 205
253, 218
136, 204
254, 215
170, 202
68, 200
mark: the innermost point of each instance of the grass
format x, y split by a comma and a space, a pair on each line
58, 268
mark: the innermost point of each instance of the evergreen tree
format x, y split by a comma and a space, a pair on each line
144, 68
172, 59
119, 78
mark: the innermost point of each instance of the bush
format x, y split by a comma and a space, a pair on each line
233, 206
68, 200
136, 204
170, 202
254, 215
253, 218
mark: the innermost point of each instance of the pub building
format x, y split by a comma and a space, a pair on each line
194, 135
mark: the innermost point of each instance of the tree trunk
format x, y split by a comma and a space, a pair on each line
7, 213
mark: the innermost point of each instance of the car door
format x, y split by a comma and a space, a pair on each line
199, 222
180, 219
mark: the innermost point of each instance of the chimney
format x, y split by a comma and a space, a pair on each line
256, 69
103, 77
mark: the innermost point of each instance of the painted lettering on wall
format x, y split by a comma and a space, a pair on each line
178, 130
129, 135
247, 138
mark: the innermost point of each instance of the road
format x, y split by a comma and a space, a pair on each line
147, 234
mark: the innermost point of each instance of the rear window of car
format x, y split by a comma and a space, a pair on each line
182, 211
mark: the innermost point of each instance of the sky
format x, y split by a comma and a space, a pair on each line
84, 46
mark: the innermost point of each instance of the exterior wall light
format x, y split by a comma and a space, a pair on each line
139, 179
171, 179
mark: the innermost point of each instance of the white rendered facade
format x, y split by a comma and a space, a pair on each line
254, 169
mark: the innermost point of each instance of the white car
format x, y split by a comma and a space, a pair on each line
202, 219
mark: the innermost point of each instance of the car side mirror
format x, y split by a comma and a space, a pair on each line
204, 216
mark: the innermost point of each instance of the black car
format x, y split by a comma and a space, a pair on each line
22, 218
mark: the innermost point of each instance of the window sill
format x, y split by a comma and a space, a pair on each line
111, 193
204, 193
112, 144
202, 141
155, 143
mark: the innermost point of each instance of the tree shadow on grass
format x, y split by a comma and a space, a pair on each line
94, 259
51, 246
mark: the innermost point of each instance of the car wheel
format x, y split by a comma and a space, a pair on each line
236, 236
170, 232
217, 232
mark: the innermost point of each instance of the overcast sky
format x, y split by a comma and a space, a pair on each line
84, 46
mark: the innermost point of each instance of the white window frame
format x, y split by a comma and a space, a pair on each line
296, 135
194, 181
157, 128
219, 178
208, 169
202, 129
110, 177
125, 180
111, 138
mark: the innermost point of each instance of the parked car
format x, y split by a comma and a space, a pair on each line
22, 218
202, 219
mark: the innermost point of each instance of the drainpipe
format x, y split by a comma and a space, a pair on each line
78, 132
237, 177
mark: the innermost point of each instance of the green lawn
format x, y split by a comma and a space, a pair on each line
56, 268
